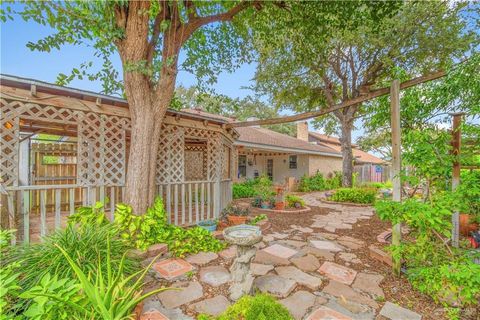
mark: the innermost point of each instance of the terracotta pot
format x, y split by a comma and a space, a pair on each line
466, 226
222, 225
234, 220
280, 206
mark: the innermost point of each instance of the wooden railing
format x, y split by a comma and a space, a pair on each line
186, 203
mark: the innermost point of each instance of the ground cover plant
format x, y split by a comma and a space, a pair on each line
258, 307
294, 201
355, 195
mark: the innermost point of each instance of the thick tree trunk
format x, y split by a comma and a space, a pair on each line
347, 154
140, 181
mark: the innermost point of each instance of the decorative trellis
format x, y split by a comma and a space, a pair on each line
195, 162
9, 143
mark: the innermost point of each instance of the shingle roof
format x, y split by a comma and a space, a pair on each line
268, 138
334, 143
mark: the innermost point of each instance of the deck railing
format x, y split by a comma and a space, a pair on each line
37, 210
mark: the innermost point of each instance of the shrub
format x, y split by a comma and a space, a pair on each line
152, 227
258, 307
318, 183
241, 190
257, 219
87, 245
355, 195
263, 188
235, 211
294, 201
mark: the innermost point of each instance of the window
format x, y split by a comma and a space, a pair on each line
292, 162
242, 166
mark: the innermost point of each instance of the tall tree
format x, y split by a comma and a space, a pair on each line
148, 36
302, 73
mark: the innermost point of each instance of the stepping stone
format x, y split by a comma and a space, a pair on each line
153, 315
275, 254
352, 309
298, 303
172, 268
258, 269
350, 242
369, 282
326, 235
229, 253
323, 313
299, 276
337, 272
151, 304
280, 236
202, 258
343, 291
213, 306
349, 257
214, 275
275, 285
294, 243
323, 254
302, 229
191, 291
268, 238
306, 263
395, 312
157, 249
326, 245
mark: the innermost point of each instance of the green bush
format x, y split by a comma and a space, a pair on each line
263, 188
293, 201
87, 245
445, 273
152, 227
469, 193
354, 195
318, 183
258, 307
245, 189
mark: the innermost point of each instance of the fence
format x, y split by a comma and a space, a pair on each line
186, 203
372, 173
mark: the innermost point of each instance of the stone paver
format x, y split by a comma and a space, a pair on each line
395, 312
350, 242
258, 269
153, 315
323, 254
229, 253
301, 229
189, 292
337, 272
324, 313
213, 306
172, 268
298, 303
275, 254
338, 289
152, 304
275, 285
299, 276
369, 282
214, 275
202, 258
306, 263
349, 257
280, 236
326, 245
294, 243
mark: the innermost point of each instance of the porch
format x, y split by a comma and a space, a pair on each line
45, 180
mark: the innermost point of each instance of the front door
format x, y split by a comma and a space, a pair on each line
270, 168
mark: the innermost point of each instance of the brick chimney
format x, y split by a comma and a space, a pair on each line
302, 130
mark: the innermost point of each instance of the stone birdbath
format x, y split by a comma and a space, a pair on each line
244, 237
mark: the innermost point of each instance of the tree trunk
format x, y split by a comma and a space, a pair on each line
140, 181
347, 154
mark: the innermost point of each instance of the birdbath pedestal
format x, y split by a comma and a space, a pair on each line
244, 237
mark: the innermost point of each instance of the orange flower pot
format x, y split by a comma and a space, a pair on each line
280, 206
466, 225
234, 220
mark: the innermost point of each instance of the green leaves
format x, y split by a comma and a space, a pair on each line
355, 195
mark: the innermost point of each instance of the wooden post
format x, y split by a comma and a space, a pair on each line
396, 163
456, 143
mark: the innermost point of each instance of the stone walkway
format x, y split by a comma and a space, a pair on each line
315, 274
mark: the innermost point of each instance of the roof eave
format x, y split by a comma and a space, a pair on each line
284, 149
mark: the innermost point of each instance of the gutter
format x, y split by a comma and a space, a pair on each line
285, 149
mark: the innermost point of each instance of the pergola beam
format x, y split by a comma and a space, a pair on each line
313, 114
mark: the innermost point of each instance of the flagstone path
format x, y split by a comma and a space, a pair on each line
311, 270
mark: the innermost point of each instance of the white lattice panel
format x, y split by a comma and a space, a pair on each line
195, 168
9, 143
115, 147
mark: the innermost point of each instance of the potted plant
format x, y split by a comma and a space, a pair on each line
236, 215
264, 191
209, 225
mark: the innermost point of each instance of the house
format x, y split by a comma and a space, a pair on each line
368, 167
63, 147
